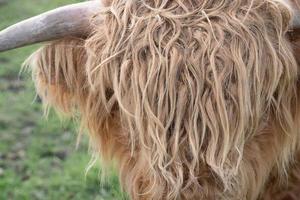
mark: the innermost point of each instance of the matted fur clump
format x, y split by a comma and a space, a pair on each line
194, 99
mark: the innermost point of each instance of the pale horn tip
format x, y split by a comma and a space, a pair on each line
70, 20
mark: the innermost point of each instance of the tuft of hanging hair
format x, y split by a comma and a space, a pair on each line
192, 99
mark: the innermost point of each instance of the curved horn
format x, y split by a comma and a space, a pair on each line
71, 20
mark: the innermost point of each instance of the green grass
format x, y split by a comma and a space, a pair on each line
38, 158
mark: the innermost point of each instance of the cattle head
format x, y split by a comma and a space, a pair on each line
194, 99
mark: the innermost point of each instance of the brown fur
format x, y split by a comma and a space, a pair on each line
193, 99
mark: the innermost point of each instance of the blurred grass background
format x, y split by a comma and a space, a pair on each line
38, 156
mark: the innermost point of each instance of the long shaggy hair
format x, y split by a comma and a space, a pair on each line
194, 99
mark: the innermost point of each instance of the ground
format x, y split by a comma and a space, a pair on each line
38, 156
